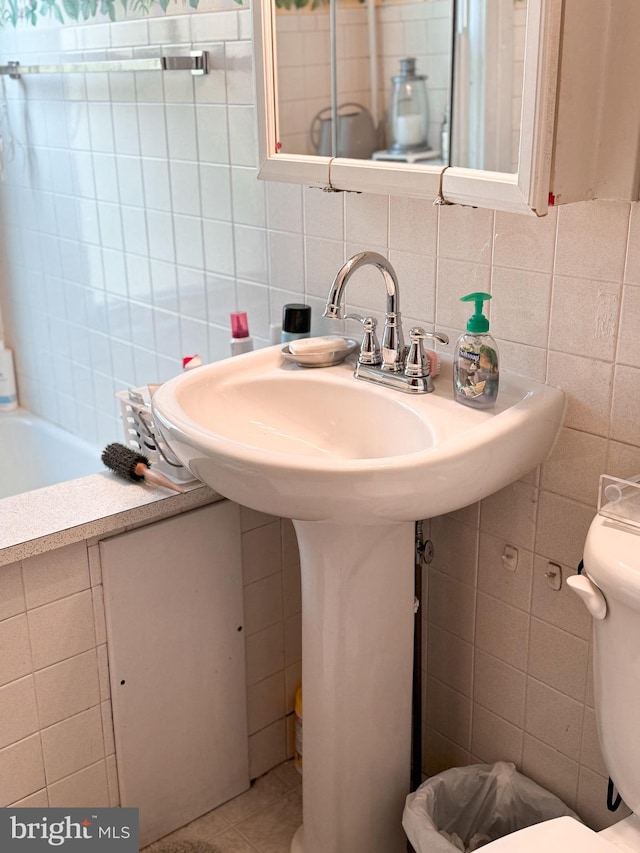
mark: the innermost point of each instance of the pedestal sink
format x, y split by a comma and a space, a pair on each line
354, 465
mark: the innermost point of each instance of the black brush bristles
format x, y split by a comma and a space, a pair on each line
123, 461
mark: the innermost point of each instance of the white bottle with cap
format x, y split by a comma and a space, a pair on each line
8, 393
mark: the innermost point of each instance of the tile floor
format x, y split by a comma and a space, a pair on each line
261, 820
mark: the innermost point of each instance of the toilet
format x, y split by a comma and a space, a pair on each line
610, 589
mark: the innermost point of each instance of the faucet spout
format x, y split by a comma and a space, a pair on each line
392, 341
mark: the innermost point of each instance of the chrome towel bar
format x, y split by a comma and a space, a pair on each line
197, 62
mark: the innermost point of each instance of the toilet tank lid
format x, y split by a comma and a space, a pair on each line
552, 836
612, 560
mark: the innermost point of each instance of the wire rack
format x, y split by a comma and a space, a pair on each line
142, 435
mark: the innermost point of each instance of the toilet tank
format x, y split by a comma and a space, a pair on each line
612, 562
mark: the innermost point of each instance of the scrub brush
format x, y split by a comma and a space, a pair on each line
134, 466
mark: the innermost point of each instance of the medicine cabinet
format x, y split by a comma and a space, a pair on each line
530, 102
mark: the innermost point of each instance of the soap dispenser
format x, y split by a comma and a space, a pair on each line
475, 361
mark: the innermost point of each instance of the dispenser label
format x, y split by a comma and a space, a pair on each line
478, 372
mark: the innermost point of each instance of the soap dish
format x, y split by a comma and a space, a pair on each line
321, 359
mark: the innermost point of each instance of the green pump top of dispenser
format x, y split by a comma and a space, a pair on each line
477, 324
475, 362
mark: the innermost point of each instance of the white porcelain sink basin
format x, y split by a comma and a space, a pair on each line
318, 445
354, 465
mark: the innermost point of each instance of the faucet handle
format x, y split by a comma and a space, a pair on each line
370, 347
436, 336
417, 364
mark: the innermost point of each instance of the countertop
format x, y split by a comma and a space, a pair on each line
48, 518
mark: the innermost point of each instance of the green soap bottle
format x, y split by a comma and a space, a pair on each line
475, 362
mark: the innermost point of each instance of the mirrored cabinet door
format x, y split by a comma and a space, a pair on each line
460, 101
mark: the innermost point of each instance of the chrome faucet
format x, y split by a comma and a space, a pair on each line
392, 364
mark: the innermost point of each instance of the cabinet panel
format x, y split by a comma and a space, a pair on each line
173, 602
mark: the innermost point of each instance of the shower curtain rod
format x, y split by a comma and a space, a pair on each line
197, 62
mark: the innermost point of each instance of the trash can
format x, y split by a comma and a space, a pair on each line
467, 807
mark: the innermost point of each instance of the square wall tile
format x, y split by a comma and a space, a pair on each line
323, 214
39, 800
323, 259
367, 219
261, 552
284, 206
286, 261
449, 712
251, 253
466, 233
562, 529
15, 661
624, 421
494, 739
243, 131
451, 605
623, 460
520, 305
574, 465
455, 548
265, 702
413, 225
62, 629
417, 276
251, 518
510, 514
632, 269
67, 688
248, 197
18, 711
22, 770
263, 603
181, 131
73, 744
592, 239
587, 384
55, 574
550, 769
502, 631
525, 242
590, 328
499, 688
562, 607
440, 753
629, 323
449, 659
554, 719
496, 578
267, 749
12, 600
87, 788
558, 659
265, 653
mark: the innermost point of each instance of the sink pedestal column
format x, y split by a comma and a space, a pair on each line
357, 649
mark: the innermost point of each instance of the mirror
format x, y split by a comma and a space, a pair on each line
327, 73
371, 79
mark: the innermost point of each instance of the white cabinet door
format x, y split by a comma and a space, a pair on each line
173, 602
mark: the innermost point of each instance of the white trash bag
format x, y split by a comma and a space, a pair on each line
467, 807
